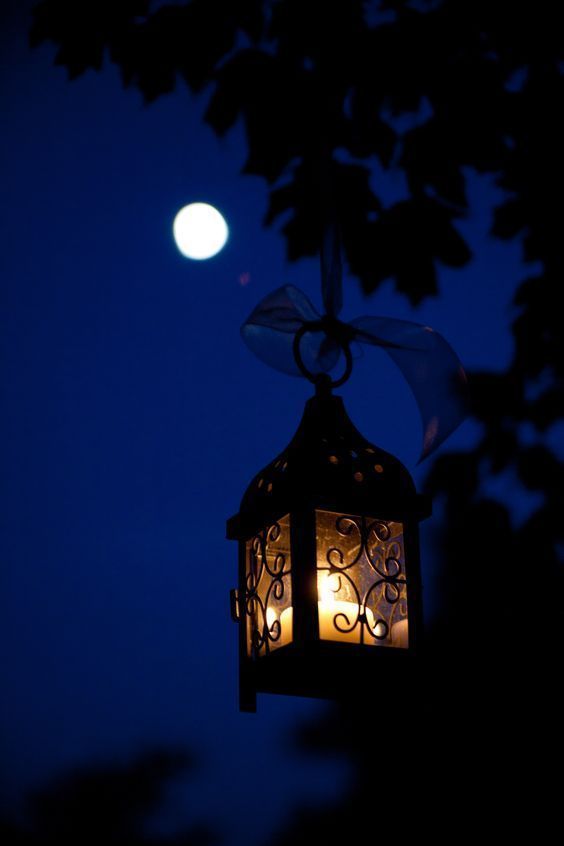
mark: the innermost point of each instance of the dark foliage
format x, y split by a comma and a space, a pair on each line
105, 804
313, 76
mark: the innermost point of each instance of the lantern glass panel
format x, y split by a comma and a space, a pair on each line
268, 589
361, 580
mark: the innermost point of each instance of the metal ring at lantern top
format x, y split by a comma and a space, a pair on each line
315, 377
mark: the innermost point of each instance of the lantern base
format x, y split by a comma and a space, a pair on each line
325, 670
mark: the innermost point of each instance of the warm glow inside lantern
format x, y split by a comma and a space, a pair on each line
329, 579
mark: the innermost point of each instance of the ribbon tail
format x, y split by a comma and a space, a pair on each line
272, 347
430, 367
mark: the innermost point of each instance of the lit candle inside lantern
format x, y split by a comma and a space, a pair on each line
286, 623
336, 614
400, 634
332, 613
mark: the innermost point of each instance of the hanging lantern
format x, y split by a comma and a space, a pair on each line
329, 585
329, 577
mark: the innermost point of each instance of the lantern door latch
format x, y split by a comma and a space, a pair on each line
234, 603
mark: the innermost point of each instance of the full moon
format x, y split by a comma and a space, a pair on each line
200, 231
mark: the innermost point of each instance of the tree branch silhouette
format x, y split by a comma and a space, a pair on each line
300, 75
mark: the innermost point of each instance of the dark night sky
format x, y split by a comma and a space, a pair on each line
132, 419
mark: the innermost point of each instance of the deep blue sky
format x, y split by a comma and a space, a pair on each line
133, 417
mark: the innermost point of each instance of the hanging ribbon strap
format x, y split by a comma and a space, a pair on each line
288, 333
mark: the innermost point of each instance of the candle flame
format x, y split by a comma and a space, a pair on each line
328, 585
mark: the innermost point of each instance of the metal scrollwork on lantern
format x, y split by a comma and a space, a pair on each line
361, 580
268, 587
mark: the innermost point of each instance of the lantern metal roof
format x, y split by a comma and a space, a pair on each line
328, 463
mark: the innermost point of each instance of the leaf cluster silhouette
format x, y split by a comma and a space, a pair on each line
306, 77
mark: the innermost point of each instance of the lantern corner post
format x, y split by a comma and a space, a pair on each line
422, 510
304, 575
